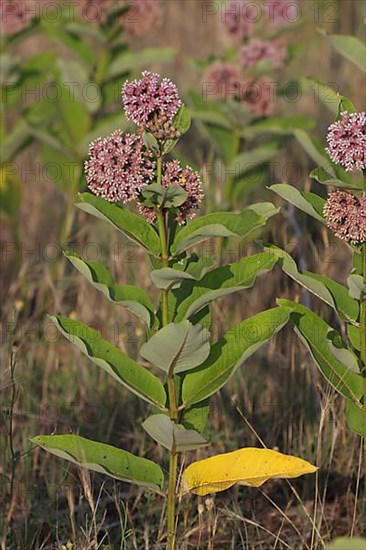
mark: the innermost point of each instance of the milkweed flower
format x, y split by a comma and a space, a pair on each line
347, 141
148, 98
282, 12
345, 215
258, 95
257, 50
119, 167
239, 18
144, 16
189, 180
221, 81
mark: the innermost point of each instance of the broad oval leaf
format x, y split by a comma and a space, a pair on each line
350, 47
249, 466
356, 286
219, 224
105, 459
128, 61
112, 360
169, 278
229, 353
307, 202
223, 281
355, 418
173, 436
331, 292
131, 297
315, 334
130, 224
177, 347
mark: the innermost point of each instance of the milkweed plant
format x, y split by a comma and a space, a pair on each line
180, 365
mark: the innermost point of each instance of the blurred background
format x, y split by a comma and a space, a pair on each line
63, 65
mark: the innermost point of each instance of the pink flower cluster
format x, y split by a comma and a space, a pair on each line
223, 82
258, 50
347, 141
119, 167
345, 215
147, 98
239, 18
189, 180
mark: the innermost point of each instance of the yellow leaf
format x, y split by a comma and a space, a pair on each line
249, 466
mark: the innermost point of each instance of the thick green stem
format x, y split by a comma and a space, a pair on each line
363, 340
173, 409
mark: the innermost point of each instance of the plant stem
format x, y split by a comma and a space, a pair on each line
363, 341
173, 409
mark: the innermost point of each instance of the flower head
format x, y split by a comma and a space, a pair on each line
222, 81
258, 96
347, 141
186, 178
145, 16
146, 98
345, 215
118, 167
282, 12
258, 50
239, 18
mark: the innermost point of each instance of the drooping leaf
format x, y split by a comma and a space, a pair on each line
249, 466
169, 278
172, 435
177, 347
350, 47
223, 281
219, 224
131, 297
331, 292
105, 459
336, 180
156, 194
230, 352
316, 334
115, 362
130, 224
332, 99
307, 202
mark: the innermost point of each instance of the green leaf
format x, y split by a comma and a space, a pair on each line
111, 359
182, 120
19, 137
356, 286
229, 353
131, 297
321, 176
355, 418
195, 417
74, 115
250, 159
55, 28
169, 278
278, 126
171, 435
127, 62
316, 335
329, 97
167, 197
354, 336
79, 87
177, 347
345, 543
223, 281
350, 47
130, 224
307, 202
104, 459
219, 224
63, 171
331, 292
